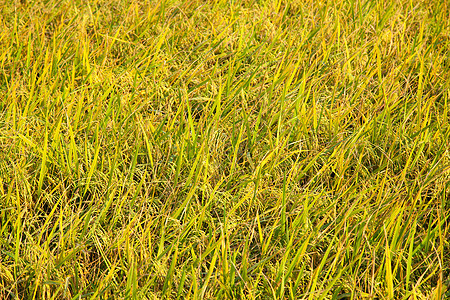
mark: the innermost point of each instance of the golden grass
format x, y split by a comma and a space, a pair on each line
224, 149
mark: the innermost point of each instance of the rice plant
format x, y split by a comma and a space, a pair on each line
224, 149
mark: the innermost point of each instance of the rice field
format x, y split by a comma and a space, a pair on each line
224, 149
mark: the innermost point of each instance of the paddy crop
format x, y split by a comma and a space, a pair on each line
224, 149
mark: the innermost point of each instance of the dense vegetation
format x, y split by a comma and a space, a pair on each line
224, 149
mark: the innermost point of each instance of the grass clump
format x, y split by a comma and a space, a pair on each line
224, 149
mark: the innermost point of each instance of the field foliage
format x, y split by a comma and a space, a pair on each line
258, 149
